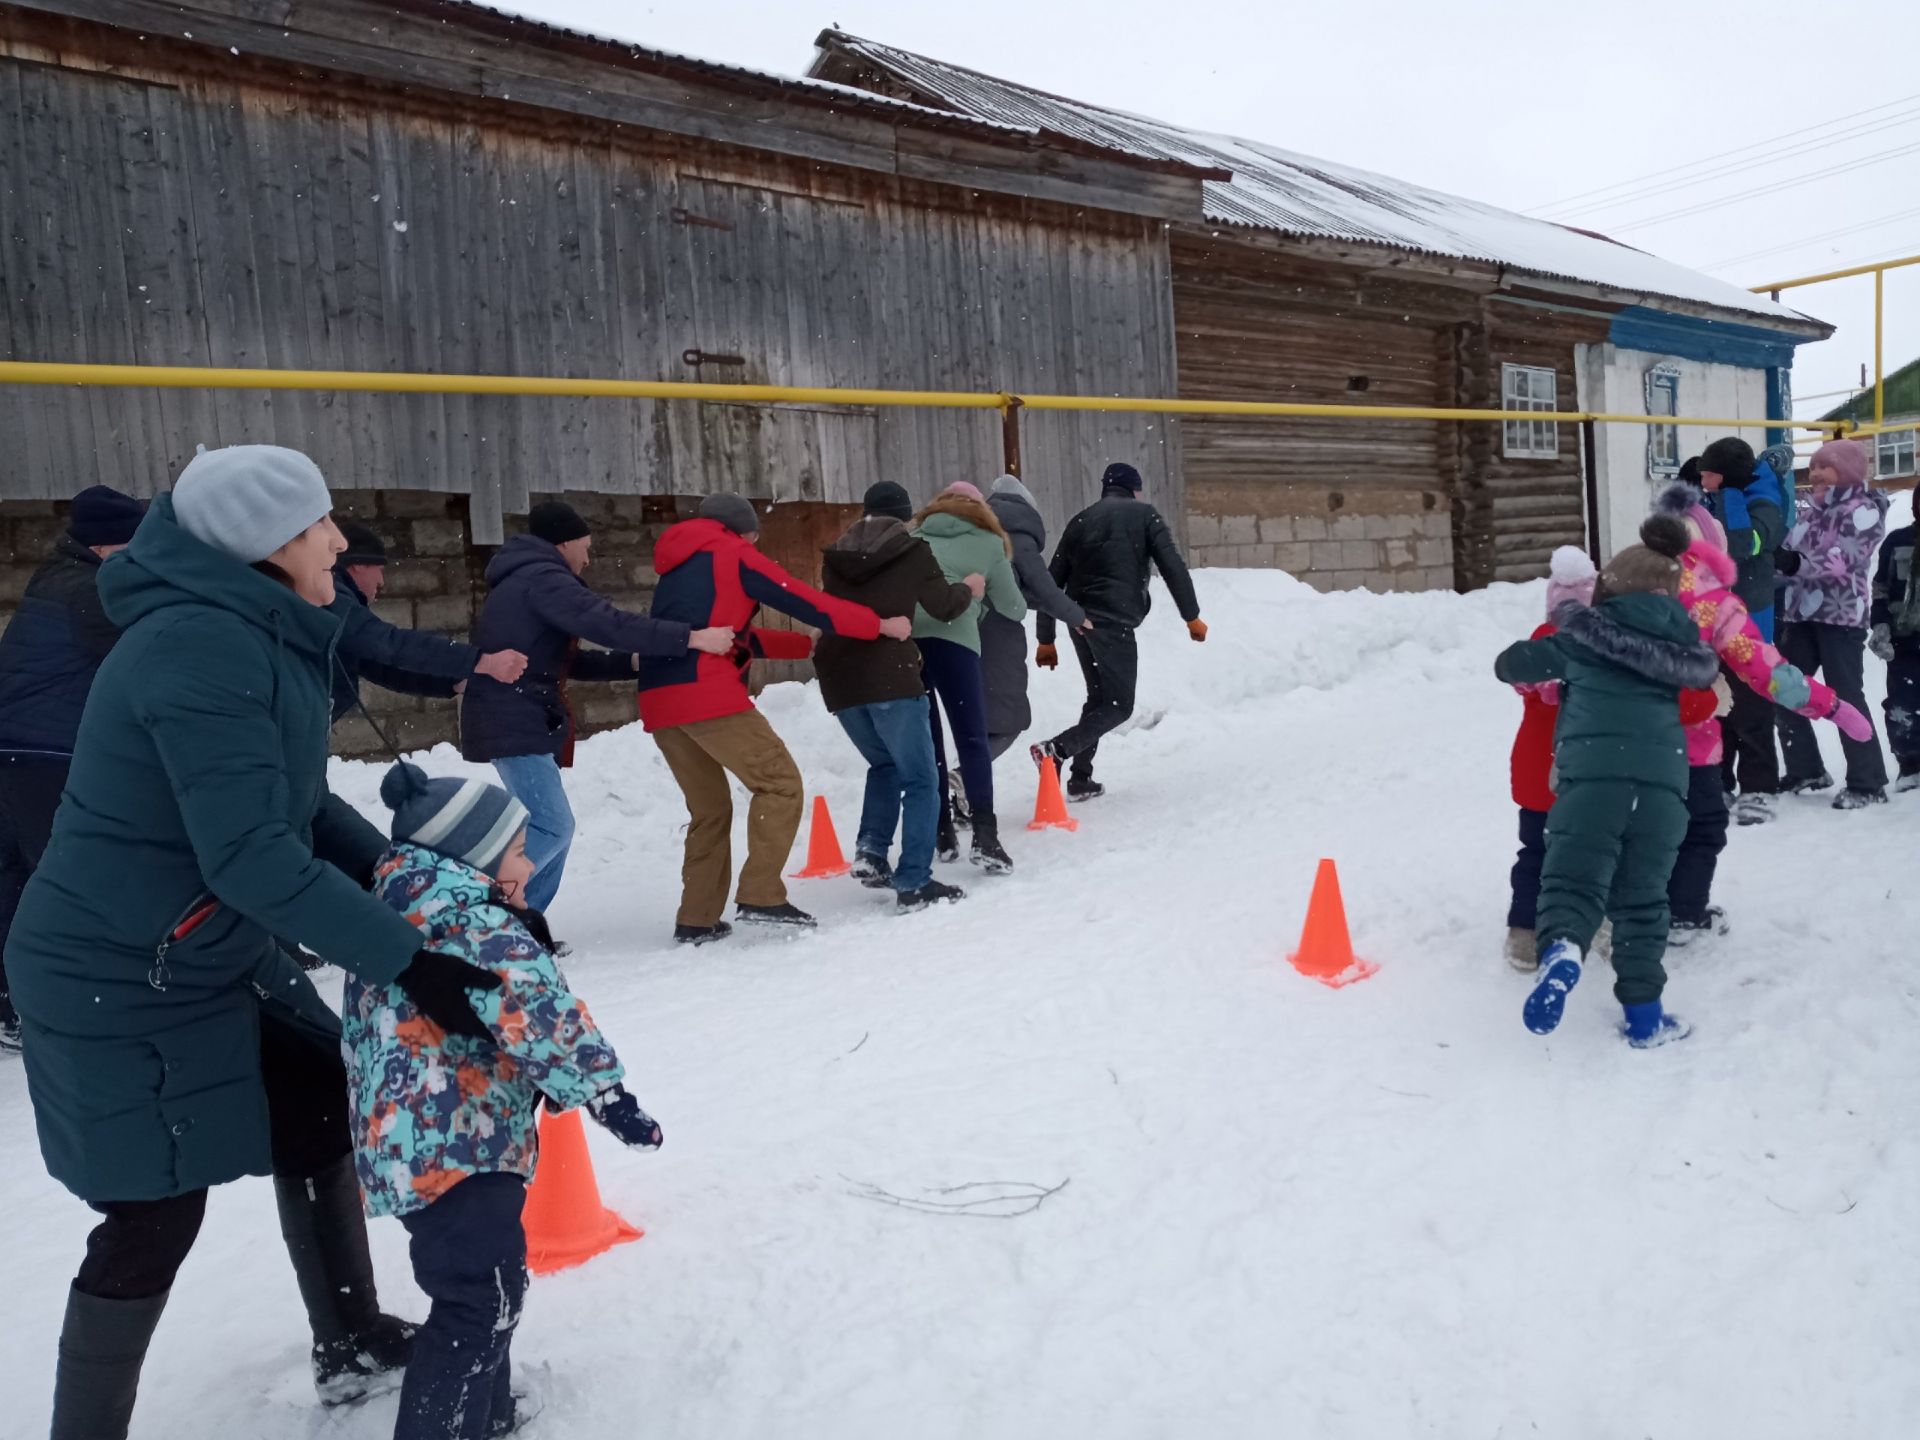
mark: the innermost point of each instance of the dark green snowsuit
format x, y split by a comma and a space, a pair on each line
1620, 756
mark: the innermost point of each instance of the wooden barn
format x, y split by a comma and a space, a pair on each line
1308, 281
426, 185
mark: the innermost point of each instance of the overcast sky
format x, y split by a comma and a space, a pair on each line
1516, 104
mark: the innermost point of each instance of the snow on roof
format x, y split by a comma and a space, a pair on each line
1275, 189
805, 87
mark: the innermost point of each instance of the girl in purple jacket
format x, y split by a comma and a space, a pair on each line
1826, 610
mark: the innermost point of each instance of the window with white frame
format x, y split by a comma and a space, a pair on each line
1527, 387
1663, 441
1894, 454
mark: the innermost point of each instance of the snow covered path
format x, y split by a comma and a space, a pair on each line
1288, 1211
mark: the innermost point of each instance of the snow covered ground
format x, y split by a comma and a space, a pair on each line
1377, 1212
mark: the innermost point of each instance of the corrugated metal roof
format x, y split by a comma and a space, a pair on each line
1275, 189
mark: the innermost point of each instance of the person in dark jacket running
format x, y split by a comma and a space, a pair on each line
538, 605
1003, 642
48, 658
876, 691
1102, 564
170, 1044
1744, 495
700, 713
411, 662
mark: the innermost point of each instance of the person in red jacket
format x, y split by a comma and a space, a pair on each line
1570, 582
699, 713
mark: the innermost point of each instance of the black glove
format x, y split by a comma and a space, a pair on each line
621, 1113
1786, 562
438, 984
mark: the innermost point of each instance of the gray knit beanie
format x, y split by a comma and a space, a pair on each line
468, 820
249, 500
733, 511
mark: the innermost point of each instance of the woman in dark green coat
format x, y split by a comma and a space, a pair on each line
170, 1043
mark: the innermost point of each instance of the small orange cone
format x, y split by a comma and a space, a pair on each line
565, 1222
1326, 949
1050, 807
823, 847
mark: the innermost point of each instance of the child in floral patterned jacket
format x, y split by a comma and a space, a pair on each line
445, 1124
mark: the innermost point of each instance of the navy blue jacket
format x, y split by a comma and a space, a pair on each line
536, 605
51, 651
413, 662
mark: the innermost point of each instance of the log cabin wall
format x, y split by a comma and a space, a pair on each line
163, 206
1339, 504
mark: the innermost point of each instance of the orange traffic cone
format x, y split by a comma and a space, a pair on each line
823, 847
1050, 806
565, 1222
1326, 949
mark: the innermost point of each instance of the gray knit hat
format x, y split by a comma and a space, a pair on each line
469, 820
249, 500
733, 511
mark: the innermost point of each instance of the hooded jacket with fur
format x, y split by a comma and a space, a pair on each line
967, 539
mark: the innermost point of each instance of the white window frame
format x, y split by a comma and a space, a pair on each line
1889, 446
1663, 441
1521, 388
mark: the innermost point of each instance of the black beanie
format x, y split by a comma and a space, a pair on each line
1121, 476
363, 546
884, 497
1731, 458
556, 522
102, 515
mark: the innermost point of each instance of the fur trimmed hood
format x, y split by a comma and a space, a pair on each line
966, 509
1607, 631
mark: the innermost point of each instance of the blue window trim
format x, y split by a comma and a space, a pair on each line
1714, 342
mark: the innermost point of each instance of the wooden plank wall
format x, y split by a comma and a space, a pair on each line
244, 218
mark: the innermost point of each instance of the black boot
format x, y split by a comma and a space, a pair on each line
326, 1234
946, 844
103, 1343
988, 853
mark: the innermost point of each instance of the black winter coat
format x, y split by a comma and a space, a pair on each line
411, 662
1894, 603
883, 565
51, 651
1003, 642
536, 605
1103, 564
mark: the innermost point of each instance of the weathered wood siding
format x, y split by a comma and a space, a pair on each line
175, 212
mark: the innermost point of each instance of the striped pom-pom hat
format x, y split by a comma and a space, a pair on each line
469, 820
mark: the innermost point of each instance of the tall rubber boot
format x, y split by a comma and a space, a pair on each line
103, 1344
326, 1234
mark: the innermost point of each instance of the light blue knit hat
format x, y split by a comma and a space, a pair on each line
468, 820
249, 500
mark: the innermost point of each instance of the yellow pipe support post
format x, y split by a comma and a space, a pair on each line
1879, 353
180, 377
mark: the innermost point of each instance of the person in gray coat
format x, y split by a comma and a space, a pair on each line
1003, 642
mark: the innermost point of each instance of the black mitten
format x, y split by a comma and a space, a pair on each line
621, 1113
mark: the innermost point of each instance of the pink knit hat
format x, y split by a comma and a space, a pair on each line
961, 487
1570, 577
1847, 458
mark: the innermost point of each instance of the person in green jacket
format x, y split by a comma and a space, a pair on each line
170, 1042
1621, 777
967, 539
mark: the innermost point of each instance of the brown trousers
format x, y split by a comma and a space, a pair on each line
700, 755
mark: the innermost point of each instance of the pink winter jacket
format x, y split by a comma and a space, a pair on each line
1707, 574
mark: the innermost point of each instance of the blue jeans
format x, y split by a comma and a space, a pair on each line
470, 1255
902, 785
534, 780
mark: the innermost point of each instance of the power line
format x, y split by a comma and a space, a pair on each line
1773, 188
1793, 152
1722, 155
1807, 240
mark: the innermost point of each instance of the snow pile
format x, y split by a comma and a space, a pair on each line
1202, 1196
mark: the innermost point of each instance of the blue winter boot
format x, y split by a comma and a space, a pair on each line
1559, 973
1648, 1026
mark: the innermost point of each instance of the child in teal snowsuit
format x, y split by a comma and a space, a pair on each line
445, 1124
1620, 761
